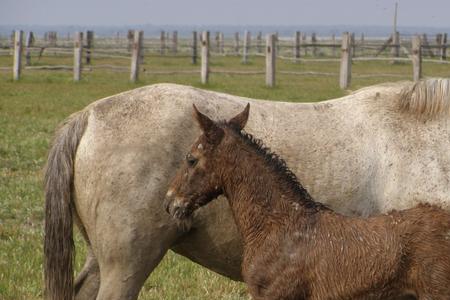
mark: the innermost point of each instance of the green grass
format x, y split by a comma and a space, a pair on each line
31, 109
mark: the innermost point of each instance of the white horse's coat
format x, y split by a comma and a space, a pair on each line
381, 148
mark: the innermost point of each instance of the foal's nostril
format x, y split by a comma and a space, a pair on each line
167, 202
166, 206
180, 212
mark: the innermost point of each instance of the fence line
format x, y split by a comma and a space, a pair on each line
276, 48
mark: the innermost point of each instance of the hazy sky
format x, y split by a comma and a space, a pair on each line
433, 13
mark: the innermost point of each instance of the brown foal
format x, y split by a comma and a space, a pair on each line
296, 248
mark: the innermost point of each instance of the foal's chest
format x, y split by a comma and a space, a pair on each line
276, 273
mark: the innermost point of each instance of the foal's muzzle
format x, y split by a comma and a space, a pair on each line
176, 208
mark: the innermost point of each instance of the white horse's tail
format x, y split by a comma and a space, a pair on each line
59, 207
428, 98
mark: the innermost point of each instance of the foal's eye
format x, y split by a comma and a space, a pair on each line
191, 160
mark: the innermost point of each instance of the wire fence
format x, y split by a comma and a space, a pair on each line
114, 53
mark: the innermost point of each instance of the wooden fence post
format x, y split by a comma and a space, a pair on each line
444, 47
304, 43
259, 42
29, 42
89, 44
313, 43
395, 51
162, 46
137, 43
246, 47
236, 43
416, 56
141, 48
217, 40
130, 38
346, 61
194, 47
221, 42
175, 42
277, 43
297, 46
205, 57
17, 67
52, 37
55, 38
77, 55
438, 44
362, 44
12, 39
353, 44
270, 60
425, 46
333, 41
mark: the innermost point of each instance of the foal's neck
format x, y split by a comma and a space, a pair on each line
262, 195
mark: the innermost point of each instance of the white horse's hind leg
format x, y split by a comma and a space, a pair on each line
114, 285
124, 279
87, 282
127, 256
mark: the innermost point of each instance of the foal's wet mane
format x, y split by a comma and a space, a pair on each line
276, 164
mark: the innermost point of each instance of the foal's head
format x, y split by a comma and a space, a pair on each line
198, 180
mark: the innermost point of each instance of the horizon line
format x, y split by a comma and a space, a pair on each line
224, 25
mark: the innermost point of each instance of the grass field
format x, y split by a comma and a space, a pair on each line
31, 109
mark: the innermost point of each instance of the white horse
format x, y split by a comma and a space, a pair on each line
381, 148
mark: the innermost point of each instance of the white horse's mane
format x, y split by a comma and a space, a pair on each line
428, 98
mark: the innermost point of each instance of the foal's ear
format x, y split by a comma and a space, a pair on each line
213, 132
240, 120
